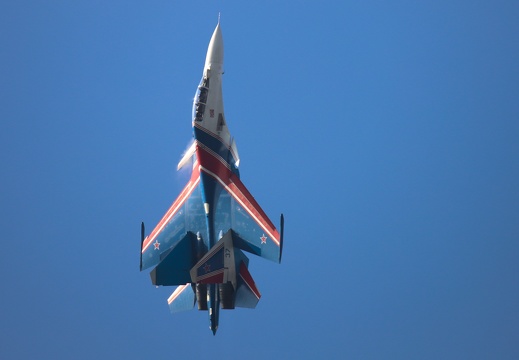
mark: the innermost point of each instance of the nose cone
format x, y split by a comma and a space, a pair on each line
214, 57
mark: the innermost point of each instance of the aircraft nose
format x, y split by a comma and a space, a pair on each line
215, 49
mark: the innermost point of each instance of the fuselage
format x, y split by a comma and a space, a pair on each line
213, 144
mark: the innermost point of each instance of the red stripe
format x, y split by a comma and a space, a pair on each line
247, 278
212, 279
229, 147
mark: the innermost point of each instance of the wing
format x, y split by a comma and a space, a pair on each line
255, 232
186, 213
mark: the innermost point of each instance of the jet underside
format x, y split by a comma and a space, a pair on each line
200, 242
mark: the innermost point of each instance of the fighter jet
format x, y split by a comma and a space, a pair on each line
199, 243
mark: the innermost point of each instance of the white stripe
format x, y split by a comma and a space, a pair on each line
250, 287
176, 293
210, 133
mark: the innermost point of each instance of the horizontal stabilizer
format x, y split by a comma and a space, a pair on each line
247, 294
175, 263
182, 299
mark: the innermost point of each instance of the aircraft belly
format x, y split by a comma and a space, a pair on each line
197, 244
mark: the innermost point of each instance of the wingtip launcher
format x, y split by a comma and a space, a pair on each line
282, 227
142, 241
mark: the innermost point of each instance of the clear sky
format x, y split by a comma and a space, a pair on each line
386, 132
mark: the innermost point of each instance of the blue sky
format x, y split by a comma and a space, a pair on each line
386, 132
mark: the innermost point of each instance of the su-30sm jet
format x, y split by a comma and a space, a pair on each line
199, 242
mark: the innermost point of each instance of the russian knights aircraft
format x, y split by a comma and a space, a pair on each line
199, 243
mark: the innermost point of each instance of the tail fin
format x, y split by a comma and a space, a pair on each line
217, 266
225, 264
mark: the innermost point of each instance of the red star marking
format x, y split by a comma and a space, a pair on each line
263, 239
157, 245
207, 267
